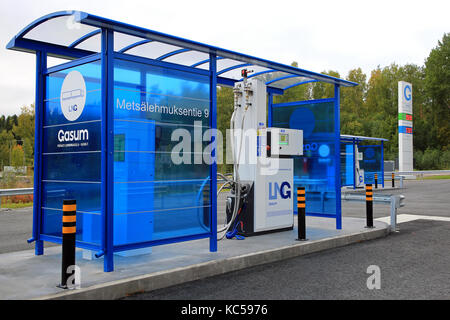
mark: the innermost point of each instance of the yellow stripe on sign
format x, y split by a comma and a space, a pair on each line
301, 205
69, 218
67, 230
69, 207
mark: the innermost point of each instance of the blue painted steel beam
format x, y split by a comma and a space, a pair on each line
337, 155
53, 50
230, 83
73, 63
84, 38
242, 65
213, 166
41, 65
134, 45
172, 53
281, 78
299, 84
107, 142
204, 61
146, 244
297, 103
163, 64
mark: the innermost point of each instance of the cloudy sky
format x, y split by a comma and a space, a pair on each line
319, 35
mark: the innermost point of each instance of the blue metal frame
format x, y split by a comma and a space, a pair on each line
106, 29
337, 146
213, 167
108, 148
298, 103
84, 38
41, 65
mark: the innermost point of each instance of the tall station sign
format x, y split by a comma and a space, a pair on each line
405, 126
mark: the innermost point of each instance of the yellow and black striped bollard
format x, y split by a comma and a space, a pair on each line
393, 180
376, 180
68, 239
369, 206
301, 214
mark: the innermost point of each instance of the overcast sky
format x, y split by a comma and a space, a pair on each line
319, 35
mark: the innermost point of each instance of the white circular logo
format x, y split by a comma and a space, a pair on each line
73, 95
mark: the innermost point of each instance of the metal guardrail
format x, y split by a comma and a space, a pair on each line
406, 173
14, 192
395, 201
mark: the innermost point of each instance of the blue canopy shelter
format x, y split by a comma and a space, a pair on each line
103, 125
371, 158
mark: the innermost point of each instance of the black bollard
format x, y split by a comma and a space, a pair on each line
376, 181
369, 206
68, 239
393, 180
301, 214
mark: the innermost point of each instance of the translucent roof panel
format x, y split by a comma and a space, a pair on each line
152, 50
287, 81
93, 43
76, 34
122, 40
61, 30
187, 58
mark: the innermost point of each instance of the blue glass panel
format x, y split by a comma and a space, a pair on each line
91, 73
71, 161
371, 162
315, 170
88, 209
347, 170
156, 197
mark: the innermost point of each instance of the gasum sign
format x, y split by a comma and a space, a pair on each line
73, 100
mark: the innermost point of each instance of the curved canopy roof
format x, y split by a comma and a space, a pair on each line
75, 34
347, 137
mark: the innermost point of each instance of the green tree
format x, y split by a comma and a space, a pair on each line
24, 130
437, 85
17, 156
6, 140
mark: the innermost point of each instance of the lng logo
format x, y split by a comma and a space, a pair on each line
73, 95
284, 190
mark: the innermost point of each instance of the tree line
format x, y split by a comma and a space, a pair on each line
371, 108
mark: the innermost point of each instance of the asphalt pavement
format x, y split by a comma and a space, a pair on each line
423, 197
413, 264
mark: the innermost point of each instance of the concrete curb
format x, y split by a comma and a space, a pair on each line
157, 280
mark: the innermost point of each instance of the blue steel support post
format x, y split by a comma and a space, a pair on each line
107, 149
337, 143
213, 167
382, 163
41, 66
269, 107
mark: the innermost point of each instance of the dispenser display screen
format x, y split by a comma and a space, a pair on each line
284, 139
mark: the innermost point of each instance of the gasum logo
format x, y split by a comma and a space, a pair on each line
284, 190
73, 95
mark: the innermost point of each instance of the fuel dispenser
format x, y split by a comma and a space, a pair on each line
261, 198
